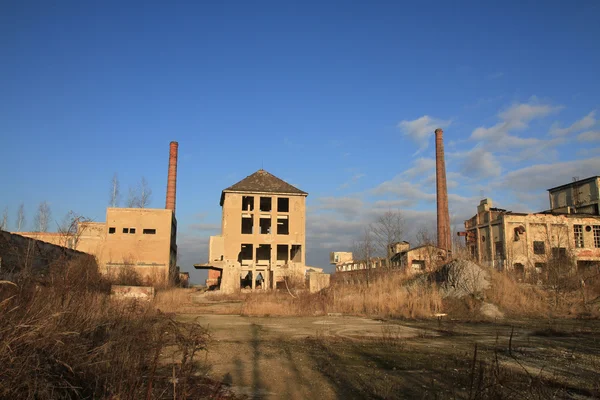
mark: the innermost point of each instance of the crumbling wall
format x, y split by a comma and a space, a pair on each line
318, 281
19, 253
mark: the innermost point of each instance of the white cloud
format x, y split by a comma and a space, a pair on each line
421, 129
584, 123
515, 118
480, 163
348, 206
589, 136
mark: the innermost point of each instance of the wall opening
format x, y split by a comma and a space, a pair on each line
296, 253
263, 254
283, 254
578, 231
247, 224
246, 254
149, 232
265, 204
112, 230
265, 225
539, 247
283, 225
283, 204
596, 229
247, 203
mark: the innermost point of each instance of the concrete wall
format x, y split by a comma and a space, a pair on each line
18, 252
508, 239
318, 281
150, 250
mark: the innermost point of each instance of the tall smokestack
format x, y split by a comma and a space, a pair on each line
443, 216
172, 179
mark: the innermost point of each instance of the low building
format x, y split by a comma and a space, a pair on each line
143, 239
527, 241
263, 235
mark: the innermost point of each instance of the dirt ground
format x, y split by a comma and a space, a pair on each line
345, 357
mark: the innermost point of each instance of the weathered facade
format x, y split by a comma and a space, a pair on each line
143, 239
263, 235
417, 259
578, 197
522, 241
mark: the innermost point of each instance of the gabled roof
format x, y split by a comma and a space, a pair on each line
263, 182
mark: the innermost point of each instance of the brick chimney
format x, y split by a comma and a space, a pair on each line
172, 179
443, 216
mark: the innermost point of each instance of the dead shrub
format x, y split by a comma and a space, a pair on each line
64, 338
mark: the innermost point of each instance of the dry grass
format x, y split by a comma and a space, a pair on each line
173, 300
64, 338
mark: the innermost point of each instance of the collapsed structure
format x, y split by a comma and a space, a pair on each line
263, 235
528, 242
143, 239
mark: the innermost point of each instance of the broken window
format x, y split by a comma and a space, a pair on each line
247, 203
246, 254
265, 225
540, 268
559, 253
112, 230
263, 254
296, 253
578, 230
283, 254
247, 224
596, 235
265, 204
539, 248
283, 204
149, 232
499, 250
283, 226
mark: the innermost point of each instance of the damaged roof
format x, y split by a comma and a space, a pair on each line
263, 182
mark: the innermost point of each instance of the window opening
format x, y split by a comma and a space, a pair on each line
283, 204
283, 226
149, 231
245, 257
596, 235
296, 253
111, 230
263, 254
578, 230
125, 230
247, 203
265, 225
247, 224
265, 204
131, 230
283, 254
539, 248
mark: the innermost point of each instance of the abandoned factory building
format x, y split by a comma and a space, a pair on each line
263, 235
569, 230
143, 239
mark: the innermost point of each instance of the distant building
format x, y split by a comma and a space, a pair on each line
263, 235
527, 241
578, 197
141, 238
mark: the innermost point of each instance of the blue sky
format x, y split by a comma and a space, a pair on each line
339, 99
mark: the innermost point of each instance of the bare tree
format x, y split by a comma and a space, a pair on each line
132, 198
114, 191
426, 237
20, 217
145, 194
4, 221
140, 196
42, 218
387, 230
363, 251
71, 229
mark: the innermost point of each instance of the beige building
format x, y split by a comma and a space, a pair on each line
144, 239
263, 235
141, 238
578, 197
522, 241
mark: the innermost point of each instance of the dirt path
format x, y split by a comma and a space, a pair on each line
269, 357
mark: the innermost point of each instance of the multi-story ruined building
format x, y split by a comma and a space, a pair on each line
569, 231
263, 235
143, 239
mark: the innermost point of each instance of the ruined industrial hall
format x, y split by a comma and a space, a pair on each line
263, 236
569, 231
